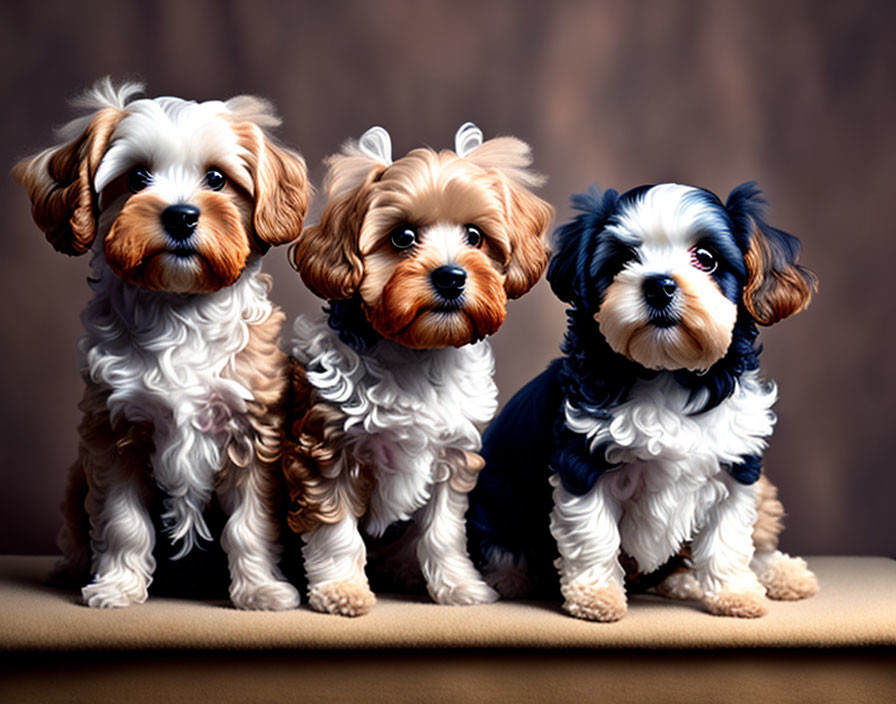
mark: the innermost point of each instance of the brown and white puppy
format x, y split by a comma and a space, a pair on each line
418, 258
177, 201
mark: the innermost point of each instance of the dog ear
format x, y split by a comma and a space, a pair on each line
777, 286
528, 218
327, 255
59, 182
279, 174
574, 246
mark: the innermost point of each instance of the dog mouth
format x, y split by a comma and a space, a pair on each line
178, 257
455, 306
180, 251
664, 320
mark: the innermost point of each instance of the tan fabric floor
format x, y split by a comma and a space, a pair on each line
856, 607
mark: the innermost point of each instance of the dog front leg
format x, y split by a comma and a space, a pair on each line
722, 551
586, 528
450, 575
335, 557
122, 535
250, 539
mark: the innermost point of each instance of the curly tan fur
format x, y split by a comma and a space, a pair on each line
789, 579
262, 367
604, 604
769, 516
738, 605
342, 598
319, 488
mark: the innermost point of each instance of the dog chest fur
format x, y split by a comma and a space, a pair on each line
403, 409
671, 459
175, 366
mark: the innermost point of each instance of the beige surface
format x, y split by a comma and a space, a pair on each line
856, 607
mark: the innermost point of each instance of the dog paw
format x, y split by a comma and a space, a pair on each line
347, 598
680, 585
737, 604
467, 594
267, 596
604, 603
789, 579
115, 591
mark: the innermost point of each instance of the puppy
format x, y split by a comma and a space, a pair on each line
176, 201
654, 421
418, 258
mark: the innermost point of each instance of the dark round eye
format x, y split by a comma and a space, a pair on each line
474, 235
403, 237
704, 260
214, 179
138, 179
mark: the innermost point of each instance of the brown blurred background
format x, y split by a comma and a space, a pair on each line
797, 95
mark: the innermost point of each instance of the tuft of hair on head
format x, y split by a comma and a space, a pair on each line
350, 168
101, 95
511, 156
105, 94
251, 108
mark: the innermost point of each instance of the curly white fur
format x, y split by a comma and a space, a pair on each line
169, 360
410, 414
672, 486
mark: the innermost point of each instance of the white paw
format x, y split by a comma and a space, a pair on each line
466, 594
115, 590
275, 595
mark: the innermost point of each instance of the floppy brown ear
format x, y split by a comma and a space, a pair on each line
59, 182
327, 255
777, 286
528, 217
281, 186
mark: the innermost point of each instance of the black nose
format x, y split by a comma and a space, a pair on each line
449, 281
659, 290
180, 220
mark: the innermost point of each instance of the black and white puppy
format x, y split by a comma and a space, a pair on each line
651, 426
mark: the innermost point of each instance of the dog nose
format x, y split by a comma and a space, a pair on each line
449, 281
180, 220
659, 290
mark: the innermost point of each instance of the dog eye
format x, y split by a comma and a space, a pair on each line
704, 260
473, 235
403, 237
138, 179
214, 179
